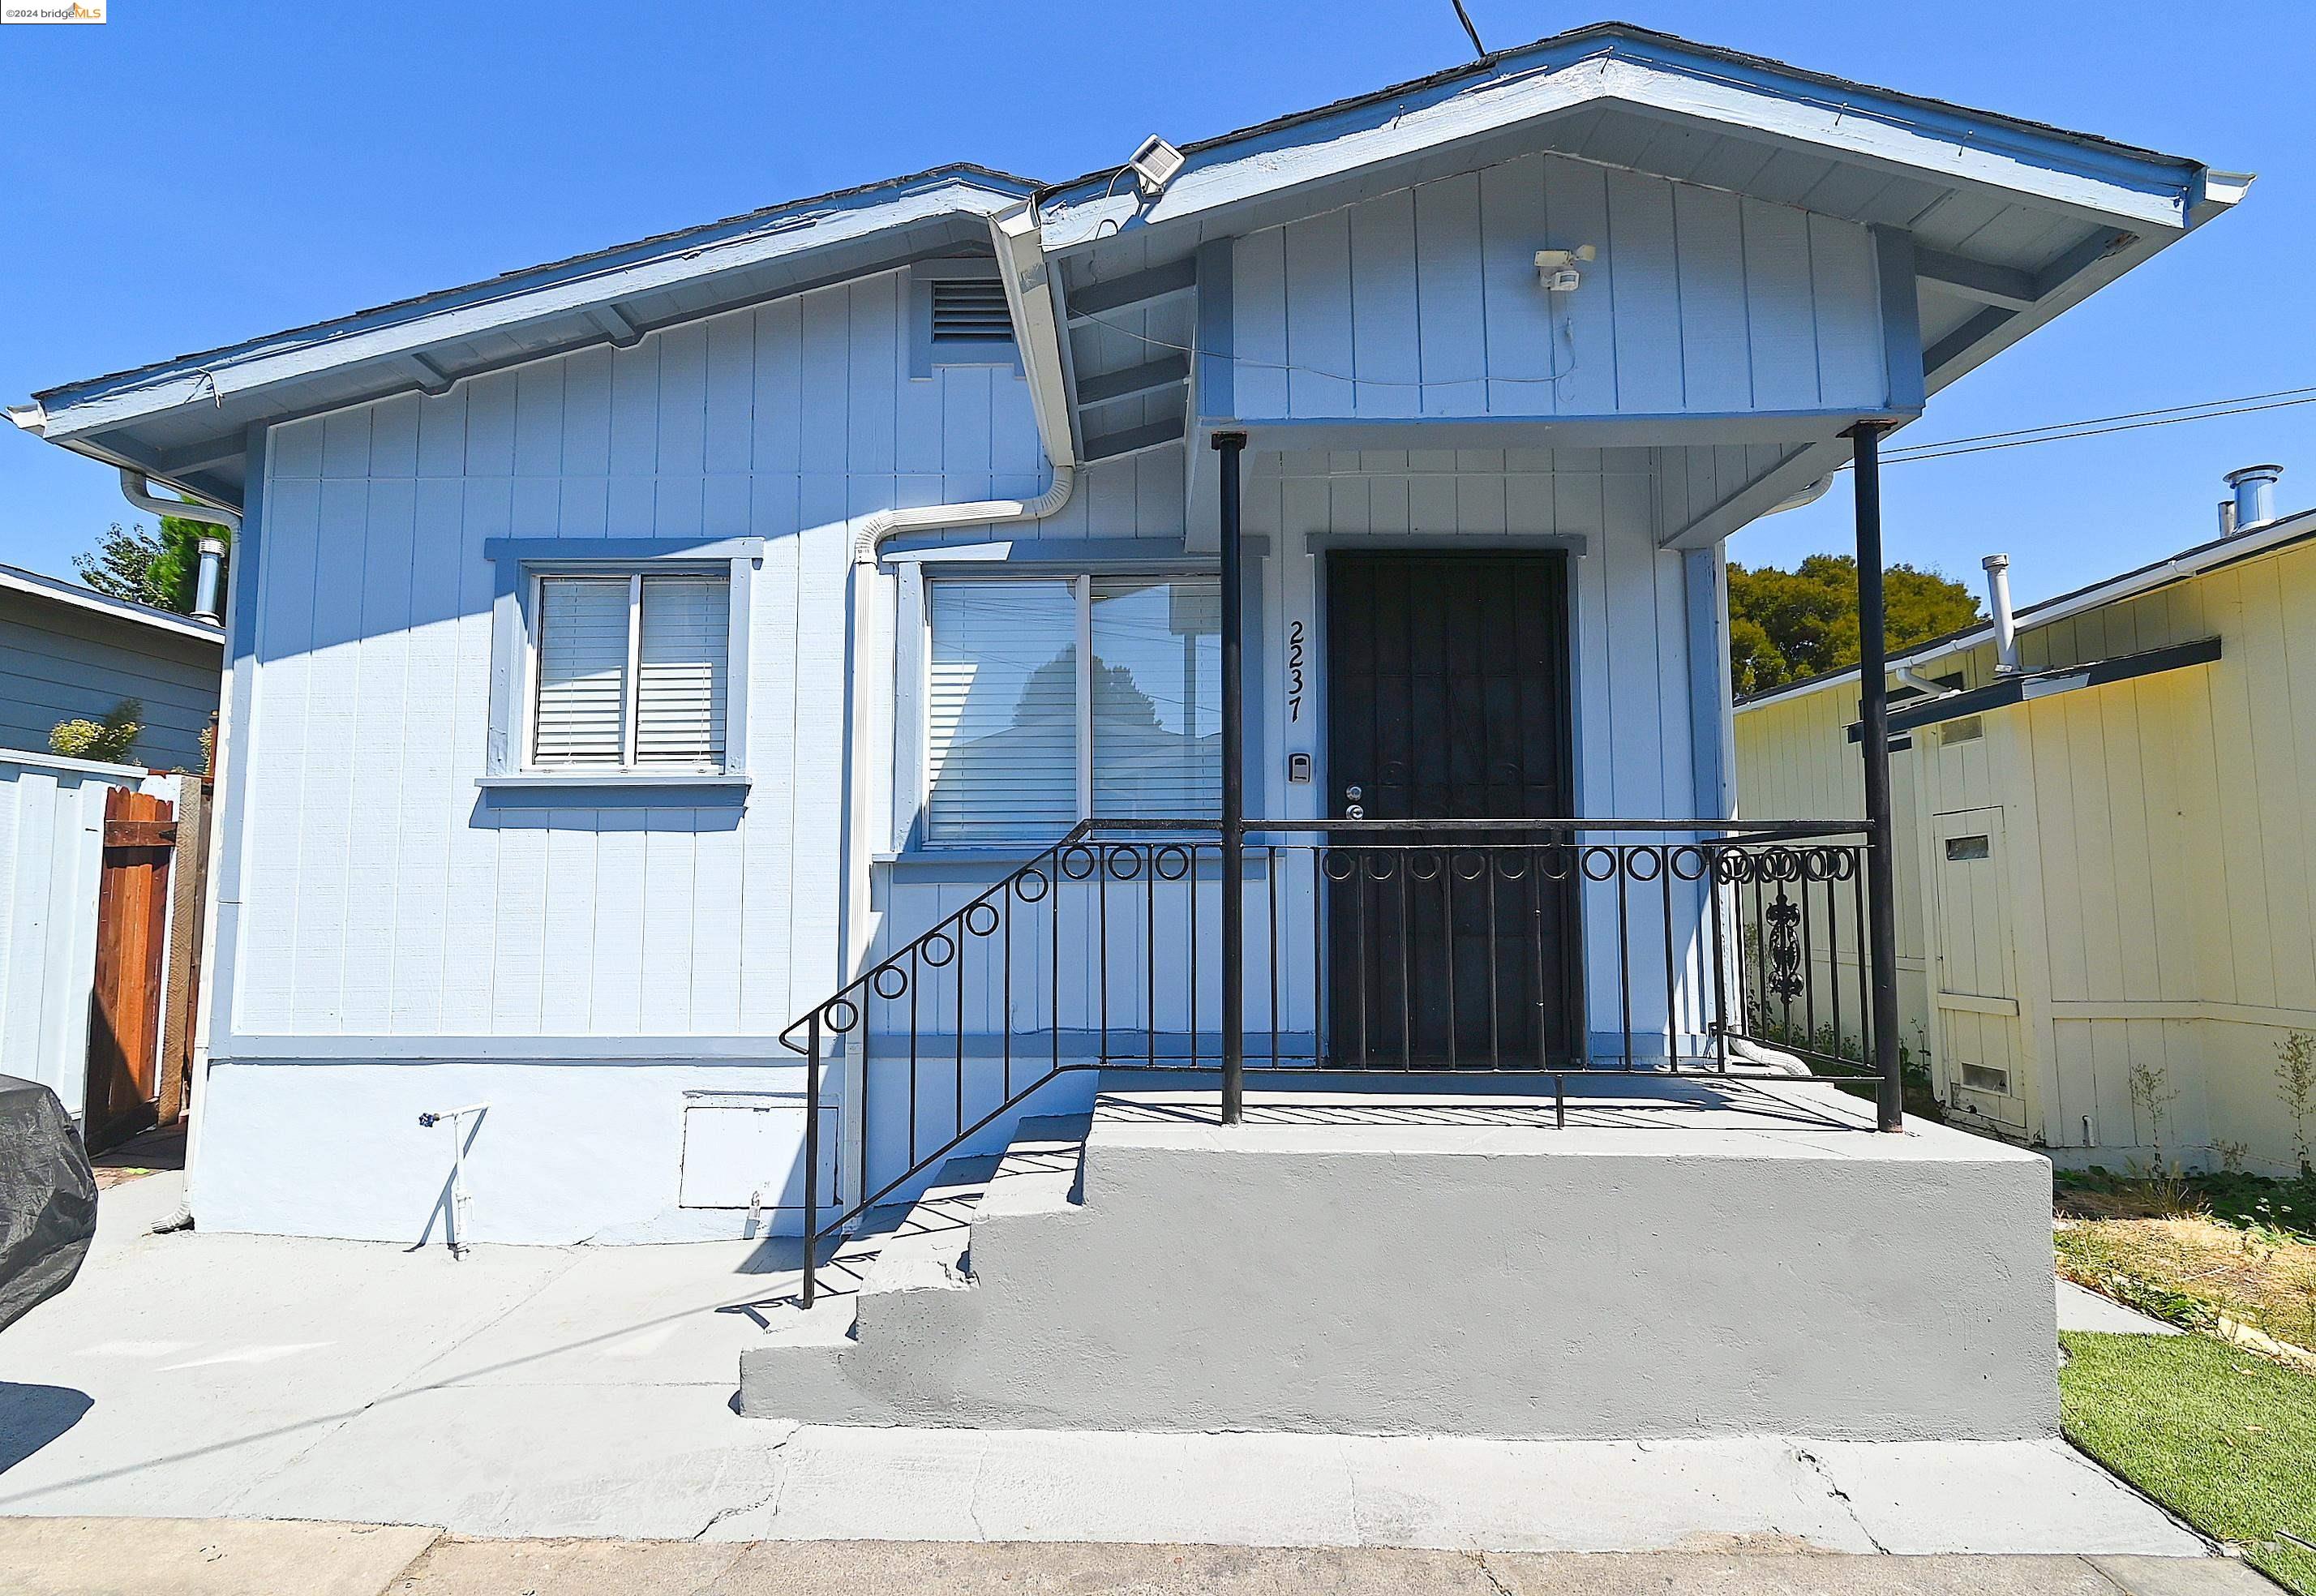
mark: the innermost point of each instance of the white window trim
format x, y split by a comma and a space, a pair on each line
521, 562
912, 761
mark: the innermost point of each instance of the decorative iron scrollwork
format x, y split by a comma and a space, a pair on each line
1784, 973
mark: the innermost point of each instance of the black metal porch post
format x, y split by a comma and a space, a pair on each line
1230, 445
1874, 747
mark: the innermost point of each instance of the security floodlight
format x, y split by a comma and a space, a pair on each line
1154, 164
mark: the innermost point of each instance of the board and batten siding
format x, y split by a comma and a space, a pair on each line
1638, 713
1638, 693
1425, 302
60, 662
380, 897
2160, 834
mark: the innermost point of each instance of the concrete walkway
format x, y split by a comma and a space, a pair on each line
243, 1558
523, 1392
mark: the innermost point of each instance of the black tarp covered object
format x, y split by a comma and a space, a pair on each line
47, 1199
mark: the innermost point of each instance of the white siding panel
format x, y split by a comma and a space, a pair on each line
1697, 302
1781, 320
382, 895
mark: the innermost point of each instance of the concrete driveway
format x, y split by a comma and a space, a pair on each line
586, 1392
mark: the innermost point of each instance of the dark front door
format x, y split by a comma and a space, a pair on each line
1448, 698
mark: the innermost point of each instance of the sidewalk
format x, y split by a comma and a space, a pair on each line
244, 1557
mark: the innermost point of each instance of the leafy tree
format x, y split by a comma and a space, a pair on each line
1785, 625
130, 563
121, 565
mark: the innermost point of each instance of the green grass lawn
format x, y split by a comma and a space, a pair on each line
2223, 1437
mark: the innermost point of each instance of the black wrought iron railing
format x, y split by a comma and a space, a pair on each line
1548, 947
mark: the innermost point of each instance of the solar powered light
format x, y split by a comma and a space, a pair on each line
1153, 166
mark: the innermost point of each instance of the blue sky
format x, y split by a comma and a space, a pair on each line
187, 175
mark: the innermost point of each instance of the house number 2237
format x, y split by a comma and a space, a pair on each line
1294, 670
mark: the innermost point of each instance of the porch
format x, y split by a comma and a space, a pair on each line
1528, 954
1430, 883
1600, 1256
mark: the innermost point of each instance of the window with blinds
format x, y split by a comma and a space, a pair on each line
582, 672
1001, 711
685, 628
1022, 740
632, 672
1157, 705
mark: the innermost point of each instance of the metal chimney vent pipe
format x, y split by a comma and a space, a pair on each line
2006, 624
2254, 491
208, 582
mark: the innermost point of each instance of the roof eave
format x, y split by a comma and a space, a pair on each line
78, 410
2094, 179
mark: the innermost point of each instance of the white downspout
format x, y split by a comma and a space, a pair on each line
1022, 269
138, 489
1922, 684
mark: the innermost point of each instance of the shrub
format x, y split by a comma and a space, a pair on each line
112, 740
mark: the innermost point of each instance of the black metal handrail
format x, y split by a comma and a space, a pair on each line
1385, 945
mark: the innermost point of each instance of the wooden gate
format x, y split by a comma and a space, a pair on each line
132, 916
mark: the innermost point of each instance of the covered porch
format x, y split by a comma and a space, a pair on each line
1413, 865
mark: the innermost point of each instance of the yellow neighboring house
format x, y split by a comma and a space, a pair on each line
2106, 846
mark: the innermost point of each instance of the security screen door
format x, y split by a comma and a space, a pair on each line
1449, 697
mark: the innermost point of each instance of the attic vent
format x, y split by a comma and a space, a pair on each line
971, 310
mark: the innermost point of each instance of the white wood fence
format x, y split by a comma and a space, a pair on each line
51, 850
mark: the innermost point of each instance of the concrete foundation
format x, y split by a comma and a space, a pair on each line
1682, 1259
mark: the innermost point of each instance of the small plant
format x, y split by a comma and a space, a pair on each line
2231, 1156
112, 740
2295, 1080
2153, 1094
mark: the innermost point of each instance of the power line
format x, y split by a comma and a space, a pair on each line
2057, 432
2096, 425
2062, 433
1470, 32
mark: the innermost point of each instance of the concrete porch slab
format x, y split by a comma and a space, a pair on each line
1424, 1255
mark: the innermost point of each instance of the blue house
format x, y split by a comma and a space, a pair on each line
1257, 606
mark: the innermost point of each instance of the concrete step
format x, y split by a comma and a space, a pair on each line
926, 1249
908, 1259
1442, 1259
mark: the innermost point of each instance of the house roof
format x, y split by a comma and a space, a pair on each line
183, 420
2281, 532
2011, 221
1985, 139
71, 595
